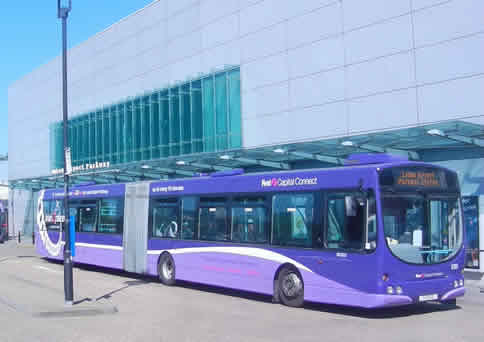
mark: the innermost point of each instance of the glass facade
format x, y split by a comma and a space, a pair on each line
201, 115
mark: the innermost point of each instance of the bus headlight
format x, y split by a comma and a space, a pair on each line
390, 289
461, 282
456, 283
399, 290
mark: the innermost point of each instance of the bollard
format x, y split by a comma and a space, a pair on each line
33, 238
19, 237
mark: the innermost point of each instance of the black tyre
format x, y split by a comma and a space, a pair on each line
166, 269
290, 287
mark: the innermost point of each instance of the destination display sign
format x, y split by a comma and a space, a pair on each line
427, 179
416, 177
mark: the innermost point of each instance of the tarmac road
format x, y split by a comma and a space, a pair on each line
116, 306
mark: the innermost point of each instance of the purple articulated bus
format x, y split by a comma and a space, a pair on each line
378, 232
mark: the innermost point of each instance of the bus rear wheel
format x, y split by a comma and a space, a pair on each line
291, 287
166, 269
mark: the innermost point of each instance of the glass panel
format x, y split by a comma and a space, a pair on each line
164, 218
146, 131
208, 115
155, 126
106, 136
212, 217
346, 221
113, 121
111, 216
189, 214
89, 138
99, 156
88, 216
235, 131
197, 120
221, 102
174, 122
186, 122
292, 219
53, 214
422, 231
165, 124
129, 131
470, 207
121, 132
249, 224
137, 129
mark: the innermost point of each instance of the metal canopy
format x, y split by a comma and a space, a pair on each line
409, 142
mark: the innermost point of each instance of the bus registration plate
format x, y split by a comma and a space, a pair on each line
428, 297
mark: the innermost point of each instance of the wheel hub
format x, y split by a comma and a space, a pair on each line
291, 285
168, 270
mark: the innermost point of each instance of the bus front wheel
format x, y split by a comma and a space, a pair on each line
166, 269
290, 287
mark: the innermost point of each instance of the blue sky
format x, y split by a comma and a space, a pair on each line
31, 36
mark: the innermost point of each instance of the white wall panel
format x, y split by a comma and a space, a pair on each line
220, 56
318, 88
263, 43
419, 4
220, 31
266, 129
266, 100
211, 10
378, 40
448, 21
183, 22
453, 99
383, 111
264, 71
316, 122
456, 58
380, 75
319, 56
178, 6
262, 14
360, 13
323, 22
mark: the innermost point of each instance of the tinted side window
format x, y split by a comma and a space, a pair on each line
346, 220
111, 216
53, 214
249, 220
213, 219
88, 216
292, 219
189, 214
164, 218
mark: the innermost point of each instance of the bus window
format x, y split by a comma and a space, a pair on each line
292, 219
346, 220
164, 220
88, 216
188, 225
213, 219
249, 220
111, 216
53, 214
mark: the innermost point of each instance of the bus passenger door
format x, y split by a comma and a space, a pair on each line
135, 227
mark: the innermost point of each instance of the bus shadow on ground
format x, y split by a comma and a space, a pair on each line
381, 313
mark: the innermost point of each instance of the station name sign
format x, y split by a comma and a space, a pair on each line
83, 167
286, 182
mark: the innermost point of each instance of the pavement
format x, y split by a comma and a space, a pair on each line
117, 306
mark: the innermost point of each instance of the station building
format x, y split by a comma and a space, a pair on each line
185, 87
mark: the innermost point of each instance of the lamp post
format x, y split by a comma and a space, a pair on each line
63, 8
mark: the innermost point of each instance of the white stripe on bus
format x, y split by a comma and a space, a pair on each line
246, 251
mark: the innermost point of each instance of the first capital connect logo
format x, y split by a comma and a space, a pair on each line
296, 181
